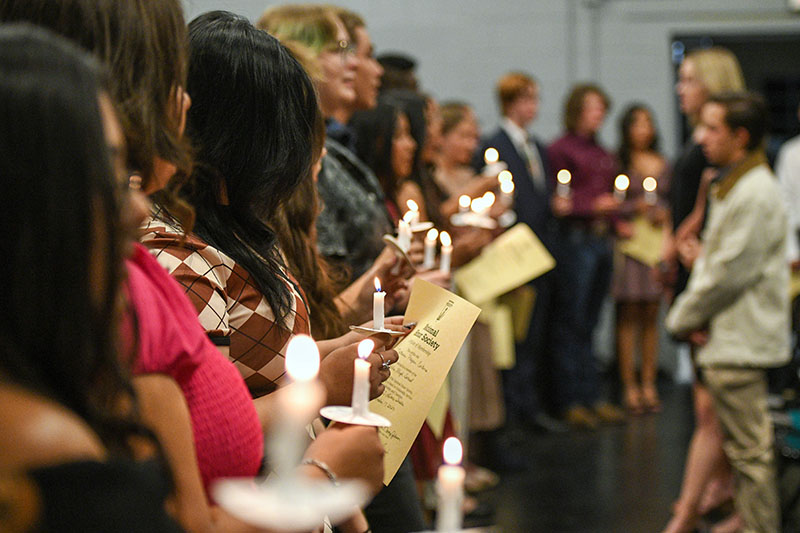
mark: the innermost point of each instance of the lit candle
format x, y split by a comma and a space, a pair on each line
464, 202
477, 205
450, 488
404, 235
412, 215
505, 176
377, 305
507, 192
298, 402
621, 184
429, 260
649, 185
564, 178
361, 370
488, 201
447, 251
491, 156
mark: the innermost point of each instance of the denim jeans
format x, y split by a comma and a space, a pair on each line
583, 277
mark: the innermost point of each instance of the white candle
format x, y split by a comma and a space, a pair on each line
649, 185
404, 235
507, 192
447, 251
464, 202
412, 215
298, 402
621, 184
361, 370
488, 201
429, 260
450, 488
563, 186
491, 156
377, 305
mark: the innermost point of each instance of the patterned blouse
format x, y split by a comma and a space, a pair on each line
229, 304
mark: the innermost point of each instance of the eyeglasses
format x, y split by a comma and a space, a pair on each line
344, 48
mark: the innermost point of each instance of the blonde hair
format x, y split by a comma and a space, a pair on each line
313, 26
718, 69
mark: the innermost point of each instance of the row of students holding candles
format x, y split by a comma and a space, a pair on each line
117, 399
272, 227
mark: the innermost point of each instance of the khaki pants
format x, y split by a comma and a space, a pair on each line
740, 400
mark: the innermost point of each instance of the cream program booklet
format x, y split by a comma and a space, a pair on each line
426, 355
512, 259
646, 244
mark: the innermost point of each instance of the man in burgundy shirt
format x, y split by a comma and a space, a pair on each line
585, 255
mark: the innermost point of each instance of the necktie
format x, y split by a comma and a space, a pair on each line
534, 164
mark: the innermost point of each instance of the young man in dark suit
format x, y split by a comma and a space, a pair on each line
526, 157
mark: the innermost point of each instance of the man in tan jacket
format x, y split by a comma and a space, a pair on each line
736, 304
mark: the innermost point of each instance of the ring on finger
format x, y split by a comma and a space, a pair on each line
384, 363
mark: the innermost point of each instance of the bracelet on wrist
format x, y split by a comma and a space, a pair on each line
324, 467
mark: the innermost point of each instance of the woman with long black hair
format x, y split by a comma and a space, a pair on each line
72, 437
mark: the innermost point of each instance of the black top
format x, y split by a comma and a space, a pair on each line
91, 496
686, 176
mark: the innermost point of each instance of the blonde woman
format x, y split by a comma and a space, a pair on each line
707, 478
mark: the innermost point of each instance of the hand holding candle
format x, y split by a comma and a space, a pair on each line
447, 252
429, 260
450, 488
377, 306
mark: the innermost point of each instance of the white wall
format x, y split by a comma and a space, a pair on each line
463, 46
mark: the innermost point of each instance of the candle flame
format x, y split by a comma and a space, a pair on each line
649, 184
365, 348
433, 233
464, 201
564, 176
412, 205
491, 156
444, 237
408, 216
622, 182
377, 284
505, 176
507, 186
452, 451
488, 199
477, 204
302, 358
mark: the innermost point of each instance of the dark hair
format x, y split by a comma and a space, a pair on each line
142, 44
374, 131
625, 123
398, 71
57, 337
413, 104
573, 107
252, 120
295, 223
745, 110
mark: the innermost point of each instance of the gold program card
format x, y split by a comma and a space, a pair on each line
513, 259
646, 244
426, 355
